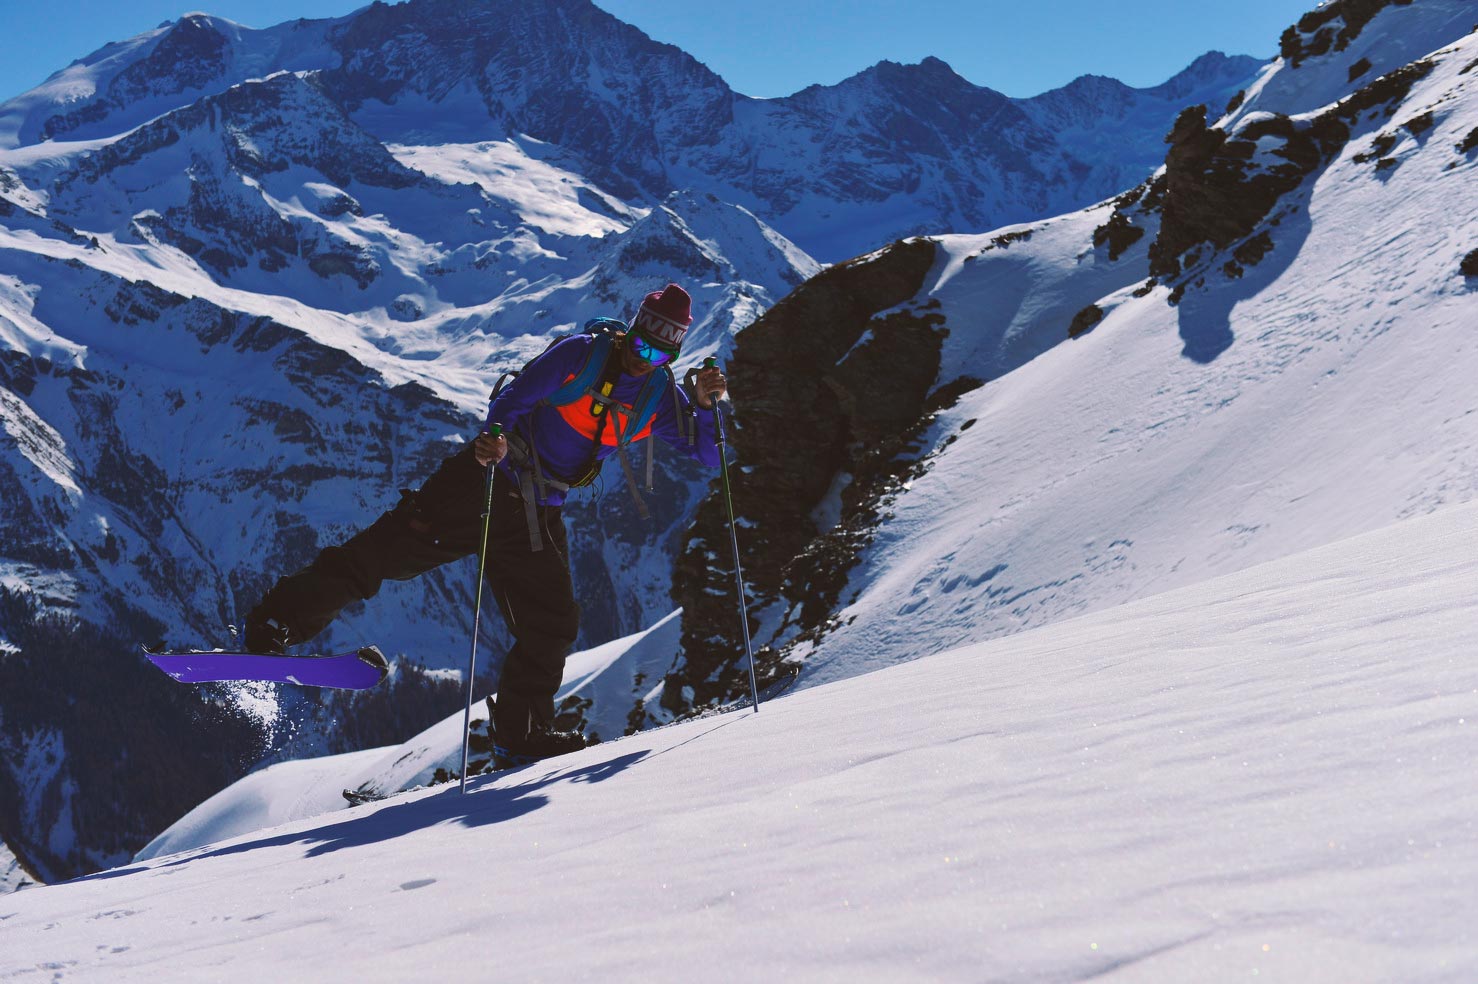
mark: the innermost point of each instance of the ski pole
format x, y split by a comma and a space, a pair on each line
493, 430
723, 462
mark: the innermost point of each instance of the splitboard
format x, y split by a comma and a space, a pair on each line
357, 670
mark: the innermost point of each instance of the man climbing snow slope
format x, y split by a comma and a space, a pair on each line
584, 399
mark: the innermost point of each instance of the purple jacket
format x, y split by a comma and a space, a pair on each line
564, 436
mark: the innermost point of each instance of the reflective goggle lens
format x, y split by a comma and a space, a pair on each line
648, 352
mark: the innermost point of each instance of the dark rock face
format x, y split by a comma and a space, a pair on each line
899, 116
1218, 189
1214, 193
1085, 320
826, 389
1331, 28
563, 71
1118, 233
1469, 267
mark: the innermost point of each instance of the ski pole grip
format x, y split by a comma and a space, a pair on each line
495, 430
718, 414
711, 363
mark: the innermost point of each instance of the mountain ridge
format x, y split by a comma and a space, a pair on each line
681, 126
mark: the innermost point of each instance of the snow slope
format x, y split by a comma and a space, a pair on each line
1264, 775
616, 676
1324, 392
1169, 445
1398, 34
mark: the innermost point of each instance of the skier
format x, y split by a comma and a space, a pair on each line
553, 448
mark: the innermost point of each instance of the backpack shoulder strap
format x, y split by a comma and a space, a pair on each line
644, 407
589, 373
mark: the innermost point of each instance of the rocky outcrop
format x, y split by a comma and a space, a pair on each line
1331, 27
828, 383
1118, 234
1220, 187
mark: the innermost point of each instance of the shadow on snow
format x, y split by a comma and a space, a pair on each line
489, 800
1205, 312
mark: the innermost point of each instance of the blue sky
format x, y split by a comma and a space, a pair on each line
775, 47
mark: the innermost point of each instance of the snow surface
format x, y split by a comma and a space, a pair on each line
616, 676
545, 195
1262, 775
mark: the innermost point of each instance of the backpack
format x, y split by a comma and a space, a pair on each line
595, 379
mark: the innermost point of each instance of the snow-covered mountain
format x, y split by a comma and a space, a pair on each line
252, 282
897, 149
1263, 775
1272, 349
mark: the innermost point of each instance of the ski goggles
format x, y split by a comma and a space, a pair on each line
648, 352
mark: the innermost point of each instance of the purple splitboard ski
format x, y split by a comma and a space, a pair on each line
357, 670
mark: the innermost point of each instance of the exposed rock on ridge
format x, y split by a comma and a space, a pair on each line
1332, 26
832, 378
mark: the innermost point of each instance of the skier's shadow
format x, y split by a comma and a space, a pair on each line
492, 800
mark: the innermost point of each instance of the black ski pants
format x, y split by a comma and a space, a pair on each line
439, 523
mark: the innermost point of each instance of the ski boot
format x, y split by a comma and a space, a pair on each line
540, 741
266, 637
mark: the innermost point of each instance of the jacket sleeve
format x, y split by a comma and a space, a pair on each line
672, 425
543, 376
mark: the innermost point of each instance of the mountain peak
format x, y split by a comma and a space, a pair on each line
1213, 68
931, 69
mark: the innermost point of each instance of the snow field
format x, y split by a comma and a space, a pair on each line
1259, 775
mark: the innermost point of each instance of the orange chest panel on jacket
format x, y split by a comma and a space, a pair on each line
583, 417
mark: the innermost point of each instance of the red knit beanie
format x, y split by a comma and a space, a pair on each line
664, 317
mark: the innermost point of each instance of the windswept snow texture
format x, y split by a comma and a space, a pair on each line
1262, 775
